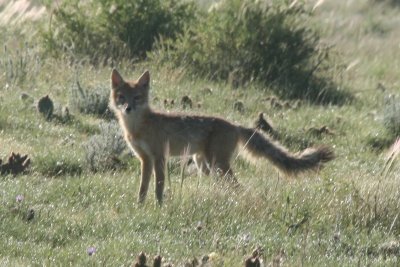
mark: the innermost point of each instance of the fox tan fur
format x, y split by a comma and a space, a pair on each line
212, 141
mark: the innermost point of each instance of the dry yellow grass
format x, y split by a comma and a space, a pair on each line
19, 11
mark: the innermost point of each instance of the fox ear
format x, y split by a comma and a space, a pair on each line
116, 79
144, 79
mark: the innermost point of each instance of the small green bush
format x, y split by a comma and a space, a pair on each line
102, 151
104, 29
250, 40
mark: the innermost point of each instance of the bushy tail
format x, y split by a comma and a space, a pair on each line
290, 164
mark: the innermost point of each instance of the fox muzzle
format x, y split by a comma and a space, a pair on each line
126, 108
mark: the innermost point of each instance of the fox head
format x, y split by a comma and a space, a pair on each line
128, 97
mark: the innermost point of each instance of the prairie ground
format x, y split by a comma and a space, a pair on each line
344, 215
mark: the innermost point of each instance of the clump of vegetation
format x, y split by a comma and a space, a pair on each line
20, 65
16, 164
391, 117
94, 101
242, 41
50, 163
391, 124
45, 107
390, 2
103, 150
49, 110
99, 30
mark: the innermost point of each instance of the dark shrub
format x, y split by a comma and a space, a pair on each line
390, 2
249, 40
104, 29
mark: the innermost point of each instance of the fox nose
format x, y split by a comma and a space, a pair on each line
128, 109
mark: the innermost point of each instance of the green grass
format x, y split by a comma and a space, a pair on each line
349, 209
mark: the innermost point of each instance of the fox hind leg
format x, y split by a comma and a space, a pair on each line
159, 170
219, 159
201, 163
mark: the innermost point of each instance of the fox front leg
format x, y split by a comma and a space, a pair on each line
146, 170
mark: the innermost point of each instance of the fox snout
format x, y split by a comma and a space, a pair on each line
129, 107
126, 108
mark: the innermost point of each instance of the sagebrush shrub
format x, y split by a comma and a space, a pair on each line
391, 122
89, 101
250, 40
102, 151
391, 115
104, 29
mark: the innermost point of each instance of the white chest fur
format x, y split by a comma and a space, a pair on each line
139, 147
131, 124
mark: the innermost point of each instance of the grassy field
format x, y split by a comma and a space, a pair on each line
344, 215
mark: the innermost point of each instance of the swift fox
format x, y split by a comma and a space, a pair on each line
211, 140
